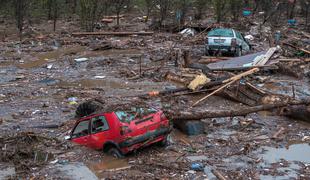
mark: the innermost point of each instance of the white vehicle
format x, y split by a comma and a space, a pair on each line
226, 41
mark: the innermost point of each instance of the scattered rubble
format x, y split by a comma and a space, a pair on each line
233, 113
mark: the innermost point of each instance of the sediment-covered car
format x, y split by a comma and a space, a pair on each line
120, 132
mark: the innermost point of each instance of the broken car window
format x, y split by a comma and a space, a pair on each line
221, 33
134, 113
124, 116
81, 129
99, 124
239, 35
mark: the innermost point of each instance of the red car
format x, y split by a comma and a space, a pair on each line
120, 132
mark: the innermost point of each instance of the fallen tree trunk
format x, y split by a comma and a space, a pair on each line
232, 112
112, 33
300, 112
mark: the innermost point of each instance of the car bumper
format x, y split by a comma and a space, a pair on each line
144, 140
219, 48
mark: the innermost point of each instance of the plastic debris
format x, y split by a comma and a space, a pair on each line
197, 166
188, 32
81, 59
249, 37
72, 100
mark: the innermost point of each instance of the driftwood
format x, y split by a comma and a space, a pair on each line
218, 174
112, 33
244, 93
284, 68
231, 112
262, 68
278, 133
228, 82
173, 77
300, 112
298, 48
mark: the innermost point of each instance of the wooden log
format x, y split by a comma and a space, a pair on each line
187, 59
278, 133
266, 67
211, 59
299, 112
218, 174
228, 82
107, 20
298, 48
183, 115
173, 77
112, 33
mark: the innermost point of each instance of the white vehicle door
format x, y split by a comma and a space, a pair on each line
239, 40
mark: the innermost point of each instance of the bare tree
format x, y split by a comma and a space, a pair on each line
220, 8
182, 8
305, 8
164, 7
149, 5
55, 6
118, 6
88, 13
235, 7
20, 12
200, 7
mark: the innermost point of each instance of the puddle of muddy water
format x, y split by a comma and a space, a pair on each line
114, 52
92, 83
7, 171
44, 58
293, 153
108, 163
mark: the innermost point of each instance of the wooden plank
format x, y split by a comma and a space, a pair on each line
265, 59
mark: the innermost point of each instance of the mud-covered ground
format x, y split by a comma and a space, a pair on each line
42, 84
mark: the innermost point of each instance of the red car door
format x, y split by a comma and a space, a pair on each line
81, 133
100, 132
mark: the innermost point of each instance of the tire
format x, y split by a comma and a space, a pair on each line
87, 108
164, 142
238, 52
115, 152
210, 53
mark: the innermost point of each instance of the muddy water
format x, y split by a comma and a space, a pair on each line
293, 154
92, 83
44, 58
114, 52
107, 164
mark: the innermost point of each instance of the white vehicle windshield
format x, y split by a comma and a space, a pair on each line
221, 33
